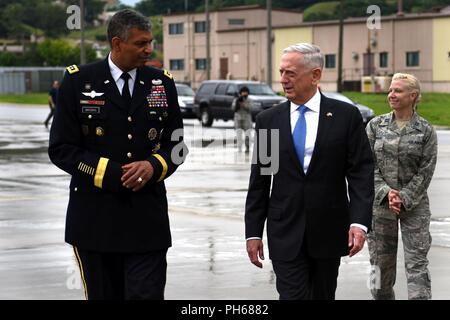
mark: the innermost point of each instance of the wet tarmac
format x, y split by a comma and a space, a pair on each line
206, 203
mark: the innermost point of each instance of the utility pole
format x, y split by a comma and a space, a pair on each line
269, 42
341, 44
208, 52
82, 48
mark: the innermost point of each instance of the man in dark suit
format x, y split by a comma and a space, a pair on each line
118, 132
322, 145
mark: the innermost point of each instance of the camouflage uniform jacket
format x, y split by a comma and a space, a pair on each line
404, 160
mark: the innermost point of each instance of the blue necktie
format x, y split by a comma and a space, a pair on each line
299, 134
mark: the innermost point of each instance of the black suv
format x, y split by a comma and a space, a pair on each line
214, 97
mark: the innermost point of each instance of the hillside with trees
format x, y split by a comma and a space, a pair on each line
39, 26
355, 8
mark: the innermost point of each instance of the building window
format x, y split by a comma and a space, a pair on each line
200, 64
330, 61
236, 22
176, 28
383, 59
176, 64
200, 26
412, 59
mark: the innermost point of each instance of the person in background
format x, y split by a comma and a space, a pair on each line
404, 146
242, 117
52, 101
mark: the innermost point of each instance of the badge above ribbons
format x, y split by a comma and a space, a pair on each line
157, 97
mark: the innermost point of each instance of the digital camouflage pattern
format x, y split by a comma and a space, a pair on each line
405, 160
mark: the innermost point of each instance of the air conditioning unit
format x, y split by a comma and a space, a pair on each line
375, 84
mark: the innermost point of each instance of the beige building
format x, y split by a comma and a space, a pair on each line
237, 43
413, 43
417, 44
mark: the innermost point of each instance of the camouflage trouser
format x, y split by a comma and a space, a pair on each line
382, 242
242, 124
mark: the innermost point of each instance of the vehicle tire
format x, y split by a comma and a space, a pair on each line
205, 117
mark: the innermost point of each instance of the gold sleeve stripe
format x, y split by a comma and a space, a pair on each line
91, 171
100, 172
164, 165
79, 165
80, 265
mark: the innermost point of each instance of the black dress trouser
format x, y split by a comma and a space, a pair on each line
122, 276
306, 278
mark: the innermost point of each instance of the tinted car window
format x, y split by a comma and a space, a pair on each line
259, 89
184, 90
221, 88
231, 90
207, 88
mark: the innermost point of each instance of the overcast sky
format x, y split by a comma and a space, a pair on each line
130, 2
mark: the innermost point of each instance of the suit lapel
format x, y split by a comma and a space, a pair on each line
325, 123
286, 133
142, 87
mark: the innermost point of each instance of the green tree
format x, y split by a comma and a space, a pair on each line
21, 18
61, 53
8, 59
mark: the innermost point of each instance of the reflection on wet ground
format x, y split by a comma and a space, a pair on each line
206, 196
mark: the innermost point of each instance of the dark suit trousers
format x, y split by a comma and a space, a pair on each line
306, 278
119, 276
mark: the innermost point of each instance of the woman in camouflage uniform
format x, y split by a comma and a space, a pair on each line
405, 150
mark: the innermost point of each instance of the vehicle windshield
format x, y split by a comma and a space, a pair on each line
259, 89
184, 90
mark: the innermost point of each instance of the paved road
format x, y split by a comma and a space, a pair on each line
206, 196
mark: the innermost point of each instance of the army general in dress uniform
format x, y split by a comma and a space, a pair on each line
118, 133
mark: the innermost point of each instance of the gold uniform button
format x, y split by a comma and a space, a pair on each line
129, 155
129, 119
90, 116
76, 189
99, 131
130, 136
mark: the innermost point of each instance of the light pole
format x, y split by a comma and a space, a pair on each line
82, 48
341, 45
269, 42
208, 52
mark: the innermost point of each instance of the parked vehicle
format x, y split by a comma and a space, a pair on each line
214, 97
366, 113
185, 100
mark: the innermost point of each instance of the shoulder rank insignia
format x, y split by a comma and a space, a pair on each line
168, 74
72, 69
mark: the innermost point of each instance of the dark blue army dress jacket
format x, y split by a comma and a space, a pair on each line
93, 134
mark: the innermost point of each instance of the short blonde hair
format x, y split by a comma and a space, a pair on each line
412, 82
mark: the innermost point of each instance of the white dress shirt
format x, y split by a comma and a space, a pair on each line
116, 72
312, 124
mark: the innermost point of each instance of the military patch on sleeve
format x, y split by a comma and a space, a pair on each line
72, 69
168, 74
